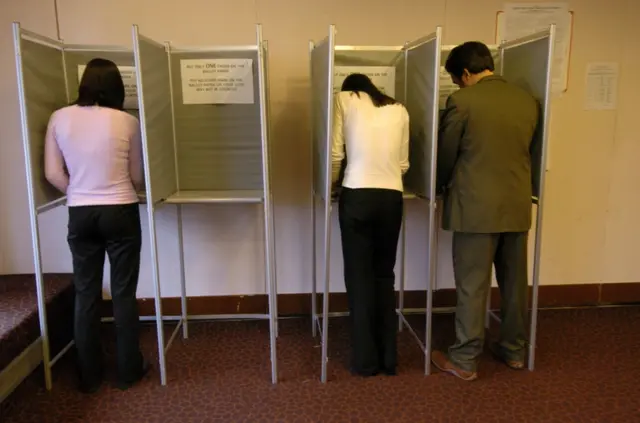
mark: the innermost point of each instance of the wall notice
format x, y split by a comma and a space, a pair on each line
522, 19
217, 81
601, 91
130, 85
383, 77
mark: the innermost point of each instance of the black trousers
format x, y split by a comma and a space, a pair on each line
370, 221
94, 231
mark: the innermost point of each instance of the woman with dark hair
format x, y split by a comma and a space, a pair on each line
374, 128
93, 153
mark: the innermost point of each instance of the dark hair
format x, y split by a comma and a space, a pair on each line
357, 82
473, 56
101, 85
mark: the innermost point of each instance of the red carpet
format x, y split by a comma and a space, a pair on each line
587, 371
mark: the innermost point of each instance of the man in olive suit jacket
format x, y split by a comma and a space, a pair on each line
485, 174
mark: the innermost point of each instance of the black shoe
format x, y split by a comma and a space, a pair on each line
364, 373
90, 384
123, 385
89, 388
391, 371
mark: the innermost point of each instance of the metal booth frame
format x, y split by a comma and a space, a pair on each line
180, 198
320, 319
39, 351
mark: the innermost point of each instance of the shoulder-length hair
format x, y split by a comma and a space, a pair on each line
357, 83
101, 85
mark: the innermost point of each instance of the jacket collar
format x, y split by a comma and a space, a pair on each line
491, 78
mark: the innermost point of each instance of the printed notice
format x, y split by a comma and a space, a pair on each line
447, 87
522, 19
217, 81
130, 85
601, 91
383, 77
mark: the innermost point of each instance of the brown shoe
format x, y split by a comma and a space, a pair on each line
442, 362
499, 355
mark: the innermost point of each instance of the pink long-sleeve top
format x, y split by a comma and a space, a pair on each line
94, 155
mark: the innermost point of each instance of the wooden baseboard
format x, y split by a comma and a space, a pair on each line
300, 304
20, 368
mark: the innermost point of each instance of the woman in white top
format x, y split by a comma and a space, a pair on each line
374, 128
93, 154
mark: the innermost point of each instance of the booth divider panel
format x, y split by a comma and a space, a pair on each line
219, 145
422, 70
320, 57
75, 58
400, 65
156, 88
44, 91
367, 57
526, 66
268, 103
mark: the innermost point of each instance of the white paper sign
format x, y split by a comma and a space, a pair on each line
522, 19
383, 77
447, 87
130, 85
601, 91
217, 81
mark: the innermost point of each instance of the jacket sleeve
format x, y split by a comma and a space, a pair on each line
535, 150
453, 124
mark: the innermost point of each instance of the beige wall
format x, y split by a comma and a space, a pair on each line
591, 227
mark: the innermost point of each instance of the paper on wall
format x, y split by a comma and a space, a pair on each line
523, 19
383, 77
130, 85
601, 90
217, 81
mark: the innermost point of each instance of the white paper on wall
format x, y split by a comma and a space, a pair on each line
522, 19
130, 85
217, 81
383, 77
601, 91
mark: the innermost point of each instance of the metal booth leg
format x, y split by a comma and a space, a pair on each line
314, 269
433, 258
325, 296
183, 281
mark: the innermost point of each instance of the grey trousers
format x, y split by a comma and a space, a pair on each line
473, 258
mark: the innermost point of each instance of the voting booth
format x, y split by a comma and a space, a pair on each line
203, 113
48, 79
409, 73
526, 62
